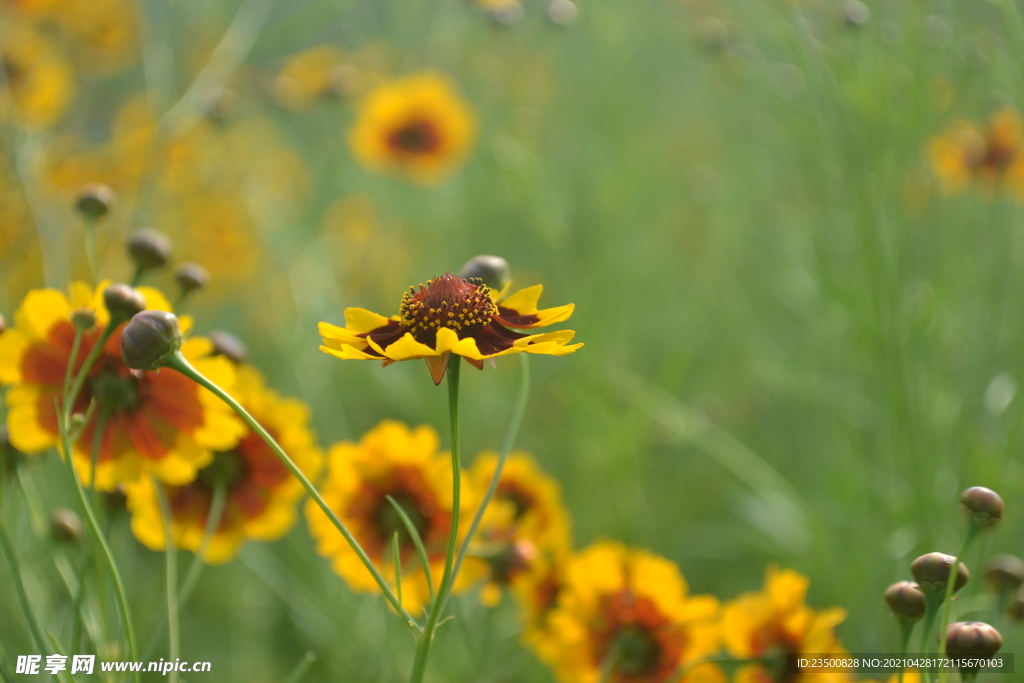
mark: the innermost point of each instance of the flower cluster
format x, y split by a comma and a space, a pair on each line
990, 157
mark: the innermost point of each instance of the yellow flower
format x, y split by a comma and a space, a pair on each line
155, 422
416, 126
40, 80
260, 491
450, 315
308, 75
390, 460
774, 623
526, 528
991, 157
628, 611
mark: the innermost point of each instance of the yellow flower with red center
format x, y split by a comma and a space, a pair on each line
526, 528
450, 314
260, 492
774, 623
405, 464
628, 613
157, 422
990, 157
418, 126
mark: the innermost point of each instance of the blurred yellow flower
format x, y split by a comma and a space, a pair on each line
39, 78
990, 158
310, 75
390, 460
775, 622
448, 315
526, 528
157, 422
628, 613
260, 491
418, 127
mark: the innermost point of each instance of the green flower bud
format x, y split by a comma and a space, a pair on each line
983, 506
228, 345
905, 600
123, 302
1015, 607
932, 572
149, 248
1004, 573
190, 277
94, 201
856, 13
65, 526
149, 339
562, 12
493, 270
84, 319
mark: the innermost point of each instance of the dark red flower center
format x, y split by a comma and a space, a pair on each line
447, 301
418, 136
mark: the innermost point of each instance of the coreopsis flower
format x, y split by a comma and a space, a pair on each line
261, 493
418, 127
448, 315
990, 158
526, 528
628, 613
773, 623
405, 464
157, 422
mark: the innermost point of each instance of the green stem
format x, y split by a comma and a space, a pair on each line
506, 448
76, 613
906, 628
301, 668
972, 531
83, 373
178, 362
90, 248
19, 589
171, 564
932, 602
94, 526
419, 667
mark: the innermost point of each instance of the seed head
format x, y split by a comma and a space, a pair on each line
932, 572
190, 277
905, 600
983, 506
149, 248
65, 525
493, 270
94, 200
149, 339
123, 301
228, 345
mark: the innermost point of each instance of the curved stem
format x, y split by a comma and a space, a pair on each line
19, 590
972, 531
171, 563
506, 448
178, 362
83, 372
419, 666
90, 248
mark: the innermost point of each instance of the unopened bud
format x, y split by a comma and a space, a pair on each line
228, 345
507, 13
972, 639
905, 600
149, 339
932, 572
94, 201
983, 506
84, 319
149, 248
65, 525
123, 301
493, 270
562, 12
856, 13
190, 277
1015, 607
77, 422
1004, 573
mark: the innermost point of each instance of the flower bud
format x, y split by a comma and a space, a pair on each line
84, 319
905, 600
972, 639
509, 12
65, 525
1015, 607
983, 506
149, 248
190, 277
562, 12
932, 572
1004, 573
94, 200
228, 345
149, 339
493, 270
856, 13
123, 301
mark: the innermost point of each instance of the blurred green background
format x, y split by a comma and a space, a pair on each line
799, 350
